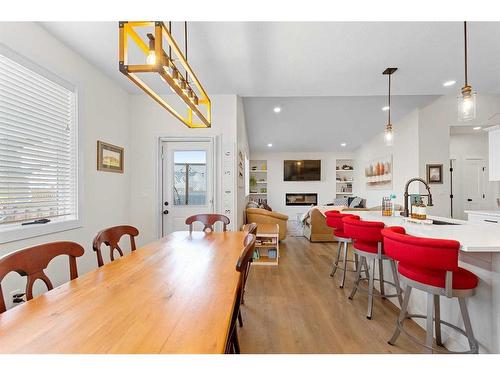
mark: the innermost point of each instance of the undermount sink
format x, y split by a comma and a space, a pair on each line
440, 222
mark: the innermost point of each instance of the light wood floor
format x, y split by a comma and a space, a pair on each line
298, 308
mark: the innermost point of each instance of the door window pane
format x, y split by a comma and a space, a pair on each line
190, 178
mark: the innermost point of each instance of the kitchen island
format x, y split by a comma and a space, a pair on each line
480, 253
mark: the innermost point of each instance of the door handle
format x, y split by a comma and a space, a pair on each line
165, 212
165, 203
491, 221
469, 200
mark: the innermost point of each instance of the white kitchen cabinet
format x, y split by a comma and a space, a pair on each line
494, 153
484, 216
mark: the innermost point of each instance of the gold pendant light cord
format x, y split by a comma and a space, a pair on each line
389, 98
186, 46
465, 54
169, 47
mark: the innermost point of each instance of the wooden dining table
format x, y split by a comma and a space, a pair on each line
175, 295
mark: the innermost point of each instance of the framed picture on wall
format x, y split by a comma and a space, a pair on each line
109, 157
378, 173
434, 173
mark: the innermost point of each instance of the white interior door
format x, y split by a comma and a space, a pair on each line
474, 182
187, 182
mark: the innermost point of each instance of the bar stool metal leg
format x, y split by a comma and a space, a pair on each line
370, 290
395, 276
344, 265
429, 322
402, 316
437, 320
381, 277
358, 277
336, 262
468, 326
356, 260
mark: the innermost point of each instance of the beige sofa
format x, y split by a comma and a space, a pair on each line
315, 228
262, 216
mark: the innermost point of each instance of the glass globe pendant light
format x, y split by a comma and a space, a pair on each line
388, 133
466, 100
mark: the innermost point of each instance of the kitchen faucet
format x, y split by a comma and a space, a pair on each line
406, 212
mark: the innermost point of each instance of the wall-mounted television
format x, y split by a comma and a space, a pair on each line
302, 170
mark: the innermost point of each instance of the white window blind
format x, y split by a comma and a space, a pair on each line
38, 148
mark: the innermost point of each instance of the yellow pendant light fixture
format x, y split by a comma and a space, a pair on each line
388, 133
158, 62
467, 97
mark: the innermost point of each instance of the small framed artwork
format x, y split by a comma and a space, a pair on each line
109, 157
435, 173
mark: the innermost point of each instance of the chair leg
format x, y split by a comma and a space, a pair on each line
344, 265
381, 277
370, 290
395, 277
236, 343
240, 319
336, 262
437, 320
358, 277
355, 262
429, 322
402, 316
367, 272
468, 326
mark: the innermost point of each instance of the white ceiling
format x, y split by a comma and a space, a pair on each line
314, 59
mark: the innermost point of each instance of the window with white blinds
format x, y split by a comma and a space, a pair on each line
38, 145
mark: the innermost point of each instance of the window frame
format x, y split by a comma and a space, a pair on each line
16, 231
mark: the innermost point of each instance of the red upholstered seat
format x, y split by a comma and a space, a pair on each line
340, 234
369, 247
462, 278
334, 220
366, 234
426, 260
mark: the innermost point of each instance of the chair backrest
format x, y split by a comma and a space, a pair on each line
334, 219
208, 220
111, 237
250, 228
246, 255
426, 253
363, 231
32, 261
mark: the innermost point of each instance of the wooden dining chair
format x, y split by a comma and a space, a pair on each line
32, 261
208, 220
111, 237
252, 229
232, 345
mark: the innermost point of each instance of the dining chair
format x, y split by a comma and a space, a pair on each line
233, 345
252, 229
32, 261
208, 220
111, 237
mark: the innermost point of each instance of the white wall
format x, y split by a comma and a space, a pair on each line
242, 146
470, 146
277, 188
104, 115
149, 122
404, 158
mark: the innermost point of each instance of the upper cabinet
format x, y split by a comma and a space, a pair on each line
494, 153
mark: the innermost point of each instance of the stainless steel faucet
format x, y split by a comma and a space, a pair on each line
406, 211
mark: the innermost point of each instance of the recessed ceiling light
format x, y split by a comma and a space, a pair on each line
386, 108
477, 128
449, 83
277, 109
343, 144
269, 145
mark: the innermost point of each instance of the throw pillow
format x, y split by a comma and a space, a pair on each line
341, 202
355, 202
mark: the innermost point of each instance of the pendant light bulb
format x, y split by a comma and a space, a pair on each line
388, 135
466, 100
151, 58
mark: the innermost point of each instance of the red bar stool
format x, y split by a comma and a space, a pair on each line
431, 265
334, 220
367, 244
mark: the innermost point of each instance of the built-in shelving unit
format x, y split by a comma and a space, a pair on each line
344, 175
258, 181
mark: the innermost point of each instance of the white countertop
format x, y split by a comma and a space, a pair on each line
484, 212
473, 237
